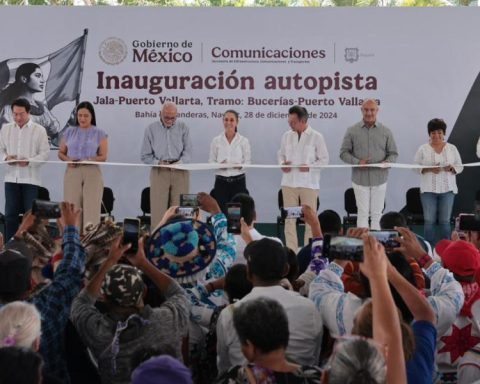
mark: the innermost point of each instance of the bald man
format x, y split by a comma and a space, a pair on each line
166, 141
369, 142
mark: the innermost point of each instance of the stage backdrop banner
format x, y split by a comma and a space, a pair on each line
418, 63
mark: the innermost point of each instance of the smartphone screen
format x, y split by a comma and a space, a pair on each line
187, 212
468, 222
131, 229
343, 247
46, 209
461, 234
233, 217
292, 212
188, 200
387, 238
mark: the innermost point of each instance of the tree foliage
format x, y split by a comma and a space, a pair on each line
249, 3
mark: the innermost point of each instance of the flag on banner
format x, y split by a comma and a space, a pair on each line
62, 71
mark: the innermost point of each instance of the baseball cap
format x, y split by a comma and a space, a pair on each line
123, 285
460, 257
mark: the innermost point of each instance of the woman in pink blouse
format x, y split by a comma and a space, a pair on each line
83, 183
438, 185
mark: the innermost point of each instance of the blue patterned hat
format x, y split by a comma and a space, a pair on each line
182, 249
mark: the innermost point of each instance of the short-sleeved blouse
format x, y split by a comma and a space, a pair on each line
83, 143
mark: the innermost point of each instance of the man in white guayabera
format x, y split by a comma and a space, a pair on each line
304, 147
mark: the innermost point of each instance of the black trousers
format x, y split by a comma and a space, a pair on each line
227, 187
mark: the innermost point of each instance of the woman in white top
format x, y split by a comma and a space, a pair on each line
438, 184
232, 148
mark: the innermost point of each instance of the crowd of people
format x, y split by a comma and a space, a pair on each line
194, 303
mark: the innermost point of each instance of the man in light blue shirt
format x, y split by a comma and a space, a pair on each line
166, 142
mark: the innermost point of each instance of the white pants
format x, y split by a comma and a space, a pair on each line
370, 203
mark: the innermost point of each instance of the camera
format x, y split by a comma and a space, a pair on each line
343, 248
46, 209
292, 213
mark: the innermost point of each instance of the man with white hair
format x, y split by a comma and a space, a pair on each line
369, 142
166, 142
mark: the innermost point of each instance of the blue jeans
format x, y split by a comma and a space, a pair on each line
437, 205
18, 199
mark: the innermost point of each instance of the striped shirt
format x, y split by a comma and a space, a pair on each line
166, 144
375, 144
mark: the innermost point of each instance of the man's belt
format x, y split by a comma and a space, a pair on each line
231, 179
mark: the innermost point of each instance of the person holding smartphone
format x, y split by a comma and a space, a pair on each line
438, 185
83, 183
233, 148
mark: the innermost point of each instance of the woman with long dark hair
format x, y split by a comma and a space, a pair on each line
29, 81
83, 183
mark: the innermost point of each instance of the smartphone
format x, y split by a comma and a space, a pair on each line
387, 238
469, 222
342, 247
188, 200
46, 209
233, 217
461, 234
188, 212
292, 213
131, 230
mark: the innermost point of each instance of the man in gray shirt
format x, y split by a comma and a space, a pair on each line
166, 142
128, 326
369, 142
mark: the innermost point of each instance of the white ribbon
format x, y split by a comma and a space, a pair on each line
208, 166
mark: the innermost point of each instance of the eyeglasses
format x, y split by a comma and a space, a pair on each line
169, 118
